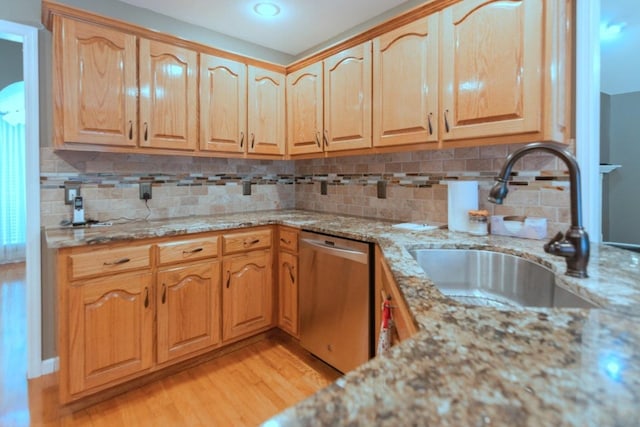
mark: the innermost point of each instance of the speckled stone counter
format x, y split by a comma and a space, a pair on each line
468, 365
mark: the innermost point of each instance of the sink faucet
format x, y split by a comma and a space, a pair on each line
574, 245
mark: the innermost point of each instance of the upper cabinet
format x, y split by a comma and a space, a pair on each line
223, 105
491, 68
168, 96
405, 85
266, 111
99, 88
347, 99
305, 110
329, 103
446, 74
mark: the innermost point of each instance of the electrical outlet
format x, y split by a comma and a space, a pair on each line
246, 188
382, 189
323, 188
145, 191
70, 193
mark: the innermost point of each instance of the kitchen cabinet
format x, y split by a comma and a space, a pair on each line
329, 103
168, 96
288, 280
241, 108
347, 99
223, 105
95, 71
266, 111
187, 297
247, 294
492, 65
305, 110
110, 322
403, 325
406, 85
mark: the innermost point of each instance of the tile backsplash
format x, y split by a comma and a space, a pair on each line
416, 184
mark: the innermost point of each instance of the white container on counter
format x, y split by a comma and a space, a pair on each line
463, 197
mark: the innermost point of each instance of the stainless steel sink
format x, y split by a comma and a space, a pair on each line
486, 278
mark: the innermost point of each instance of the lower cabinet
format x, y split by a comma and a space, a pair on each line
288, 292
188, 309
110, 332
386, 289
247, 294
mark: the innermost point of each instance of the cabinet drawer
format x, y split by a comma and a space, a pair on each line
241, 242
288, 239
187, 250
107, 261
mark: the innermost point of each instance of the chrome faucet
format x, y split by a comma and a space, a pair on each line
574, 245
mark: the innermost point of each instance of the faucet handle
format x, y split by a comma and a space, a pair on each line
558, 245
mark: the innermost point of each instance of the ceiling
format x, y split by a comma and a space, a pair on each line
620, 57
301, 24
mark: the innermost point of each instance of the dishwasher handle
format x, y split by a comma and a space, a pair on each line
330, 248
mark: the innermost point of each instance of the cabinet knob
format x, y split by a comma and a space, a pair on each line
192, 251
117, 262
325, 138
430, 125
164, 293
253, 140
446, 121
146, 131
318, 139
130, 129
248, 243
228, 278
146, 297
241, 139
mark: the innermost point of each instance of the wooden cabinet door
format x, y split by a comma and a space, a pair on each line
266, 107
168, 96
188, 304
223, 105
305, 110
247, 294
491, 68
347, 99
98, 73
110, 329
405, 84
288, 292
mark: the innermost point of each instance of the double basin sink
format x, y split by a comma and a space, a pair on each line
494, 279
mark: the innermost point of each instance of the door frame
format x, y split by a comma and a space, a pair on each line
588, 114
28, 36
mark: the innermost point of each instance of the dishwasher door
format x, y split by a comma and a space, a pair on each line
335, 300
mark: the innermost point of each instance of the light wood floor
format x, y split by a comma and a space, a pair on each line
244, 387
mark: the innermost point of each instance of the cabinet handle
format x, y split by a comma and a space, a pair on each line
192, 251
146, 297
430, 125
318, 139
118, 262
446, 121
228, 278
164, 293
130, 129
241, 139
291, 276
285, 241
146, 131
248, 243
253, 140
325, 138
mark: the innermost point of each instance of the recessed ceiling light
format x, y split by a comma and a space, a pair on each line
266, 9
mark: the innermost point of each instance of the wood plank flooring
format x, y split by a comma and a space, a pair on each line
241, 388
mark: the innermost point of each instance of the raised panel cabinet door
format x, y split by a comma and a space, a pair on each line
188, 307
288, 292
491, 68
305, 110
168, 96
247, 294
266, 119
98, 75
347, 99
405, 84
110, 329
223, 105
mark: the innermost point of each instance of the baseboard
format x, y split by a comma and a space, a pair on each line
49, 366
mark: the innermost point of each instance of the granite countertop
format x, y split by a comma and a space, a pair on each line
468, 365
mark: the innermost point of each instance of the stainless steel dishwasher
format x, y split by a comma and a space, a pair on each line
335, 300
